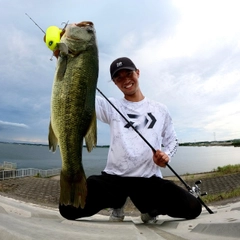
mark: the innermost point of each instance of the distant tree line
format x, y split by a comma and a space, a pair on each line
234, 142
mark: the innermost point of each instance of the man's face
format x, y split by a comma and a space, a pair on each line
127, 81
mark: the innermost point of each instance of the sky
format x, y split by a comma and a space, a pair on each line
188, 53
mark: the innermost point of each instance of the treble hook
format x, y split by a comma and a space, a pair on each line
66, 23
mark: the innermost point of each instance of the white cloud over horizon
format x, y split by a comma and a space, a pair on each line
188, 53
11, 124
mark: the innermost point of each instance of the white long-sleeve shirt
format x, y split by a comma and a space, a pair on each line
128, 154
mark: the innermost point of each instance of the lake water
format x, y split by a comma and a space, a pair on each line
187, 159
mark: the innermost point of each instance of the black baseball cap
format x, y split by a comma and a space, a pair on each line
121, 63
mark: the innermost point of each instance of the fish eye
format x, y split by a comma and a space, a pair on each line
90, 30
50, 43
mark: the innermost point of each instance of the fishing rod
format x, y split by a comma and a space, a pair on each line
196, 191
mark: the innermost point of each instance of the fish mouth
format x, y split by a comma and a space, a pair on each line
85, 24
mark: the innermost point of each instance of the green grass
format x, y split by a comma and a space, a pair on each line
222, 196
228, 169
220, 171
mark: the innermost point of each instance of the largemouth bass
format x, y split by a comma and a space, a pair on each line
73, 115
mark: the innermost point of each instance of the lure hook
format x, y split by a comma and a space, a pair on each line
66, 23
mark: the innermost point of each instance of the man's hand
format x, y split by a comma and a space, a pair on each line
160, 158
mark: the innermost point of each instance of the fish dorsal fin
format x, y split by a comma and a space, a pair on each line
63, 48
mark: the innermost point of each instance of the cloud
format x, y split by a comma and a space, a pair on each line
12, 125
188, 53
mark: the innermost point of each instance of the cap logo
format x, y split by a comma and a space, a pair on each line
119, 64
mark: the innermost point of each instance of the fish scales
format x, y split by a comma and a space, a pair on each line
73, 108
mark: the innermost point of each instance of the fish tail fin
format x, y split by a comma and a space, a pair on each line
73, 190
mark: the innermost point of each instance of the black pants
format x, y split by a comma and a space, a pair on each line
150, 195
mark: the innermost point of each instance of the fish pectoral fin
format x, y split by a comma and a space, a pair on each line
52, 139
62, 67
63, 48
91, 135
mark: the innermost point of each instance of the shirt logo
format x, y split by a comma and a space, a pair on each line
141, 121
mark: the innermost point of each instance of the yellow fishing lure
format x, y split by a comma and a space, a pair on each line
52, 37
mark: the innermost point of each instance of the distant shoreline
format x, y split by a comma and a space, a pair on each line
227, 143
46, 145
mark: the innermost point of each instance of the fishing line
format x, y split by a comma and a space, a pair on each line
193, 190
35, 23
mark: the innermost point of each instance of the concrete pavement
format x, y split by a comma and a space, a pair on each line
20, 220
